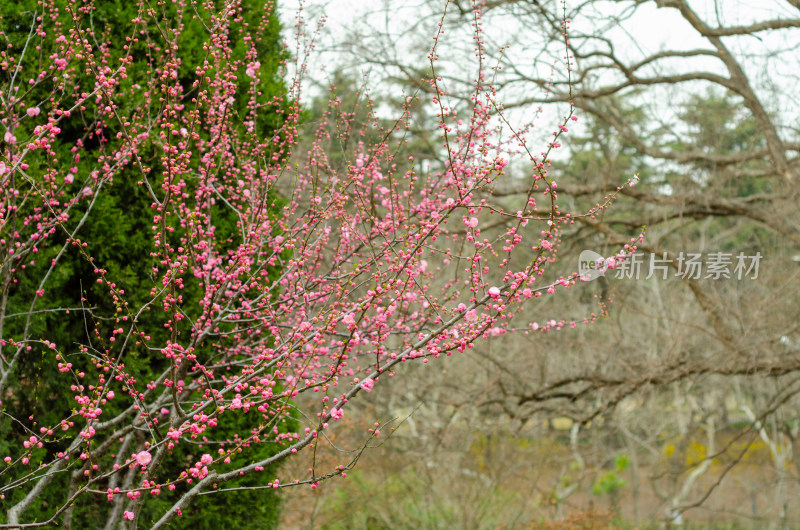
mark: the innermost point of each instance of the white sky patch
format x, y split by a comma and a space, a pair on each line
769, 58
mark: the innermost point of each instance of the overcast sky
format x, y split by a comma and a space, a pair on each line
769, 58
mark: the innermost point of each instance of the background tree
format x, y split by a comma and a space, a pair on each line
705, 119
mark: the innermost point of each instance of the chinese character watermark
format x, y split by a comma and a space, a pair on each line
686, 265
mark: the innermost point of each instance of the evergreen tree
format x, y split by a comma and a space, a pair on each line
119, 235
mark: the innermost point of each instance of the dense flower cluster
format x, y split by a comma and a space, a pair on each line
301, 301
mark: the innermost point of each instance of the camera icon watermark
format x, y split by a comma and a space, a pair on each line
686, 265
592, 265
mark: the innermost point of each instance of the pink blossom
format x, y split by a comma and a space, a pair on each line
311, 294
143, 458
252, 69
611, 263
